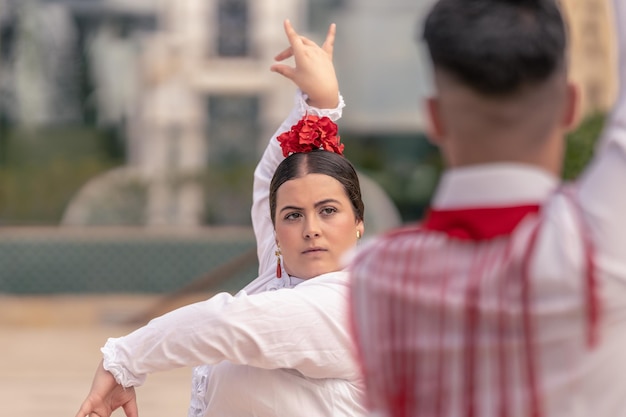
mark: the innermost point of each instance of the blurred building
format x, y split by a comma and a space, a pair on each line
383, 68
186, 83
204, 97
207, 98
593, 57
200, 93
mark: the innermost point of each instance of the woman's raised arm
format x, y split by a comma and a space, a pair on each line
318, 94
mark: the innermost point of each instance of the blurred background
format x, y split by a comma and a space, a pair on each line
129, 131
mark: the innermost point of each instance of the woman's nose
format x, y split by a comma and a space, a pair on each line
311, 229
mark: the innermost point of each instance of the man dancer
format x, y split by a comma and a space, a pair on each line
510, 299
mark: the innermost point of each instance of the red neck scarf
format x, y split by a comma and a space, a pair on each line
478, 223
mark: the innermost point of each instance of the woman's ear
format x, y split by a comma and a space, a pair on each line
360, 228
435, 128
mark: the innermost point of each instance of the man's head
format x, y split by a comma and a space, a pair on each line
497, 46
501, 77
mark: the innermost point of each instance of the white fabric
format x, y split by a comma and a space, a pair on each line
493, 185
268, 350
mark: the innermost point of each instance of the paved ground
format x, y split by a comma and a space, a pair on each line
49, 349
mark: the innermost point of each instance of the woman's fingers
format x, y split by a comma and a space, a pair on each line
85, 410
329, 43
289, 52
89, 410
298, 42
313, 71
284, 54
130, 408
292, 35
284, 70
307, 42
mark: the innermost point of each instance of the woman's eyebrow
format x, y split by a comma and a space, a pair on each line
319, 203
327, 201
291, 208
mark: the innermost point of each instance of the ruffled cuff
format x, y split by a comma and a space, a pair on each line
304, 108
111, 363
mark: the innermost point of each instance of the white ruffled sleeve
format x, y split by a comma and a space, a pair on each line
261, 220
304, 328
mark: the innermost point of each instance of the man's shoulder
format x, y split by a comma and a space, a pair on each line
373, 247
400, 233
408, 230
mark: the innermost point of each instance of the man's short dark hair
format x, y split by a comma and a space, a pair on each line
496, 46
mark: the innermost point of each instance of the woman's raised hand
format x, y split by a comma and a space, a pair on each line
313, 72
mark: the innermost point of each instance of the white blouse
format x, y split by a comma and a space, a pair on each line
279, 347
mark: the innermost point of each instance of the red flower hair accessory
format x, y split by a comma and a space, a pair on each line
311, 132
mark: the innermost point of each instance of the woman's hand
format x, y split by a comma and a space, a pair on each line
314, 72
106, 396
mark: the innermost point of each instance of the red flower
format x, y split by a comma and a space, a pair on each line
311, 132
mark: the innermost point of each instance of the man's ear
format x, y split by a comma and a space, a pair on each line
435, 125
572, 107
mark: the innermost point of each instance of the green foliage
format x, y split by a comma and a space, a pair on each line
407, 167
581, 145
228, 193
42, 169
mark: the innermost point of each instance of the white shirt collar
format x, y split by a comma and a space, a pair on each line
286, 281
489, 185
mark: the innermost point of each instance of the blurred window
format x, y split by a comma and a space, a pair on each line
233, 128
321, 13
233, 28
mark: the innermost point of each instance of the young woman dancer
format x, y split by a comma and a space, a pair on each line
281, 346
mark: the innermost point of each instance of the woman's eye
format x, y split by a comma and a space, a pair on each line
293, 216
328, 210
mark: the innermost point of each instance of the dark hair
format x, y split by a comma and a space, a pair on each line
496, 46
328, 163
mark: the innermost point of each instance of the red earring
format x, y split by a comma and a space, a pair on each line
279, 271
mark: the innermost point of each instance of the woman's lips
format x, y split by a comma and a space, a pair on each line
313, 250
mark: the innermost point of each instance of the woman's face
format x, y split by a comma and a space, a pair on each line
315, 225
